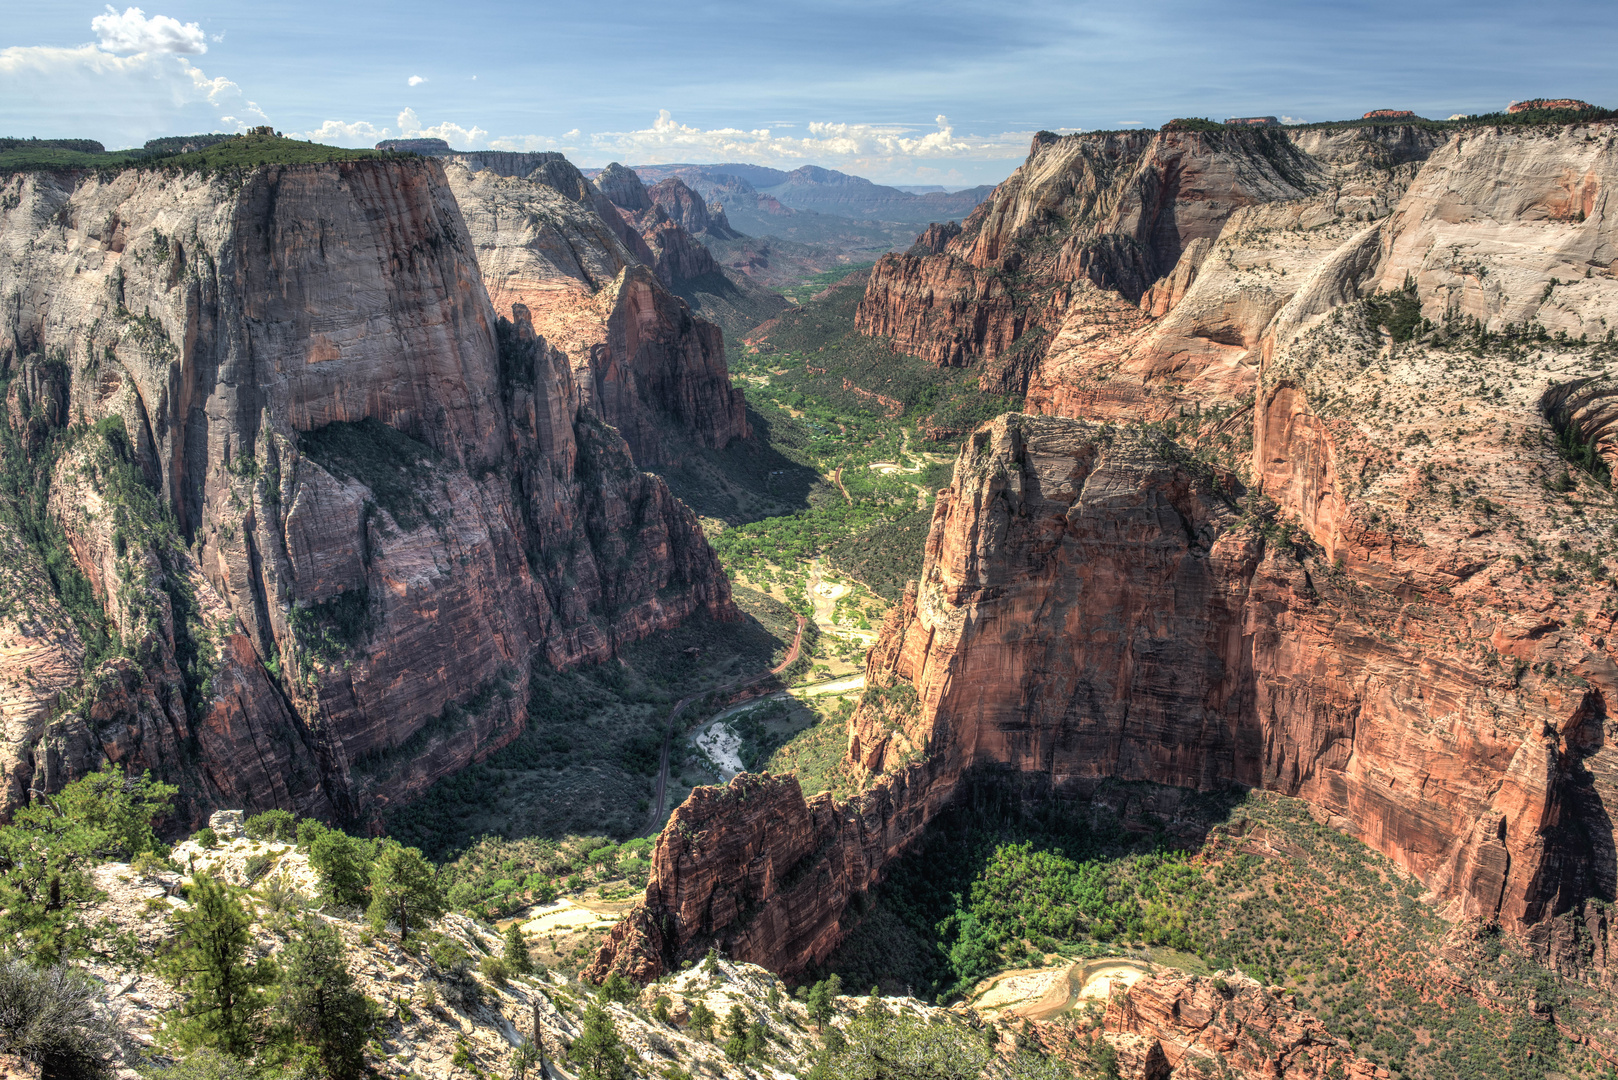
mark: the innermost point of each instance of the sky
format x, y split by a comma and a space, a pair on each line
938, 92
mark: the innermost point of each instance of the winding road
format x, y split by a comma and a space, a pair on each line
656, 825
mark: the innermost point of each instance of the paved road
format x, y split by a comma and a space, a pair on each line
674, 714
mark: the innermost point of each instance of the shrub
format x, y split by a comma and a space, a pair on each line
54, 1018
494, 969
205, 837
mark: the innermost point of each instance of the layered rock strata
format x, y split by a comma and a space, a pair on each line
330, 506
1384, 586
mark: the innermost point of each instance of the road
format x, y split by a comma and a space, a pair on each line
679, 707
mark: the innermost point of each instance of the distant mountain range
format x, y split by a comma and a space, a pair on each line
755, 189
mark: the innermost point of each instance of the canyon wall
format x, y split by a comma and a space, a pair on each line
1115, 212
547, 239
331, 506
1340, 557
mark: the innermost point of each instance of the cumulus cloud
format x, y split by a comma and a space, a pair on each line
410, 127
883, 147
341, 133
415, 80
133, 32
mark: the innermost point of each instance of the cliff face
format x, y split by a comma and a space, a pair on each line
1379, 587
675, 225
1116, 211
547, 239
330, 507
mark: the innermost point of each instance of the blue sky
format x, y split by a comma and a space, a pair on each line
939, 92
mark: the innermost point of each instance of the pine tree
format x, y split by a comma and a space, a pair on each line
51, 844
404, 890
342, 861
598, 1052
517, 958
318, 1005
737, 1043
702, 1020
616, 988
208, 963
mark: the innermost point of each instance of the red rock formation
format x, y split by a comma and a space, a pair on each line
1194, 1028
1420, 638
1548, 103
1115, 210
641, 359
1389, 114
527, 528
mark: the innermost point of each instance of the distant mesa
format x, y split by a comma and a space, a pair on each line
1531, 104
1253, 121
1390, 114
428, 147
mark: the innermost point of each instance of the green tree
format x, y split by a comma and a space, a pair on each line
598, 1052
703, 1020
404, 890
207, 963
51, 844
318, 1005
739, 1041
616, 988
822, 1000
343, 863
517, 957
277, 825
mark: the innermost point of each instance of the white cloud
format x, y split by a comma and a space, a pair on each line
880, 151
120, 99
457, 136
338, 133
417, 80
133, 32
882, 148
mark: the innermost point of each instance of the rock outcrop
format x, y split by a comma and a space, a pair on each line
1192, 1028
1116, 211
548, 240
676, 227
1376, 574
330, 505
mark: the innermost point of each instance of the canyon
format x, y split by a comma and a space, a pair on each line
338, 452
1285, 509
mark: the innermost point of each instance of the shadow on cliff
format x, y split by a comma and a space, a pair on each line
746, 481
1582, 862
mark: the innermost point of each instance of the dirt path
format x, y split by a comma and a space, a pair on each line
674, 714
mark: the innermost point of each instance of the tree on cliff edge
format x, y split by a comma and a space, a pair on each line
404, 890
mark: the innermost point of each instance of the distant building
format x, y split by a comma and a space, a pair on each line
1253, 121
1390, 114
1548, 103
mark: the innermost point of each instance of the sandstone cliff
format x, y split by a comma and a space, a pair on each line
1117, 211
547, 239
676, 227
1364, 575
330, 507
